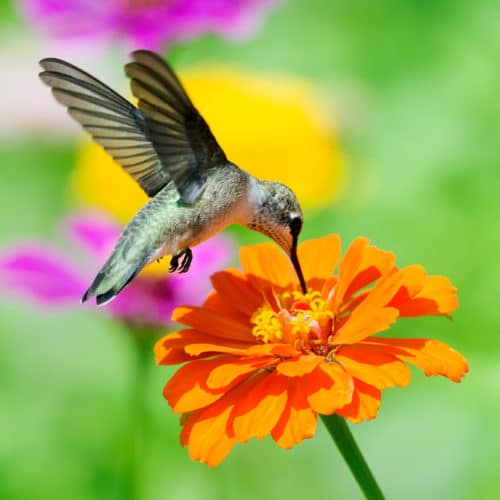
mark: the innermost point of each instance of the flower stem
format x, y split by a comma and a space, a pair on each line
341, 434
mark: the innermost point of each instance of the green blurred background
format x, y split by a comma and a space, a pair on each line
416, 88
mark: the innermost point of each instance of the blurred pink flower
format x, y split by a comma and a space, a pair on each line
54, 277
146, 23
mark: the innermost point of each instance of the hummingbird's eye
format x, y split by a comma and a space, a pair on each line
295, 225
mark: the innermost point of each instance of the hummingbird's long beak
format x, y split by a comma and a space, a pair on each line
296, 264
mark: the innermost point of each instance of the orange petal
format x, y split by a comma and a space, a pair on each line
298, 421
218, 303
299, 365
329, 388
266, 264
216, 347
364, 405
179, 347
169, 350
280, 350
348, 267
318, 258
414, 277
430, 295
213, 323
361, 326
378, 369
354, 302
431, 356
187, 421
258, 411
237, 291
234, 370
384, 290
374, 264
327, 287
371, 316
205, 433
187, 391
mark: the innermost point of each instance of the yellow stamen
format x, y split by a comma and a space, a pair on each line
303, 320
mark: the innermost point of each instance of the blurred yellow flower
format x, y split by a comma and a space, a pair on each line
271, 127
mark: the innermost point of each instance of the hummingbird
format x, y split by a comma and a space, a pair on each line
167, 147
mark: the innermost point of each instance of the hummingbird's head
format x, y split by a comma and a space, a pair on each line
277, 214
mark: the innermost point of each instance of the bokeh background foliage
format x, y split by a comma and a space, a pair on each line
414, 89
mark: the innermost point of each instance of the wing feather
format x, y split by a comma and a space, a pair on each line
112, 121
164, 139
181, 137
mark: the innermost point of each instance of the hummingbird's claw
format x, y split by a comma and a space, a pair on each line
183, 267
174, 264
187, 258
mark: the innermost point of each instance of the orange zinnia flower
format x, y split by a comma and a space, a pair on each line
264, 358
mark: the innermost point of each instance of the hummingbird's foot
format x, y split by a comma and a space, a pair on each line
174, 263
183, 266
187, 258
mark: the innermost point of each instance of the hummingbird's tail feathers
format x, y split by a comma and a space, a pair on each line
105, 298
91, 291
112, 121
85, 297
105, 290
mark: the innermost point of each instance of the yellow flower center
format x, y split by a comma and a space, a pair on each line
302, 320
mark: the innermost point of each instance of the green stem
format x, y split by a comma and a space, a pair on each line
341, 434
142, 352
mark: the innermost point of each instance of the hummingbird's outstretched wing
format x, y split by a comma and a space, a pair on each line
180, 136
113, 122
